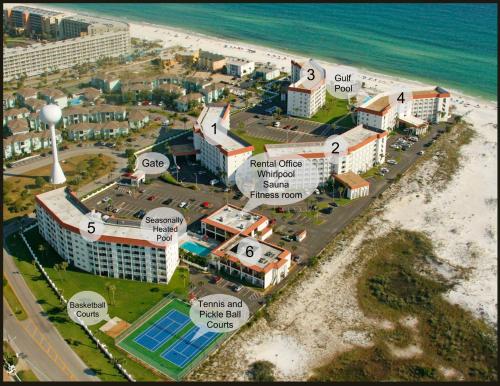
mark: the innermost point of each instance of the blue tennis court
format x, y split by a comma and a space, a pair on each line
183, 351
162, 330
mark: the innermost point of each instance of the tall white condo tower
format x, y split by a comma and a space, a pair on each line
51, 114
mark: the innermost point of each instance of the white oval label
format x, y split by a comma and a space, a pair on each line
152, 163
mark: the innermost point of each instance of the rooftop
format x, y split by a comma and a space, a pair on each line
355, 138
38, 11
351, 180
234, 218
212, 114
69, 211
271, 254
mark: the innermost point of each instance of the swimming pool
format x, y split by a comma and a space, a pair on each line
196, 248
75, 101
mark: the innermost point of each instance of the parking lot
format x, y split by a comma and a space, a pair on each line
203, 287
261, 125
321, 227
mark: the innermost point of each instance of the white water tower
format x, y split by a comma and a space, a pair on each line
51, 114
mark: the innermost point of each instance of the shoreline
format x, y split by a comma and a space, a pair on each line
157, 29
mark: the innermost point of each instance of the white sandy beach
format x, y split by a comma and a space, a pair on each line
321, 317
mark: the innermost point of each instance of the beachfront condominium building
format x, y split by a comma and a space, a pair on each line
79, 26
429, 105
225, 158
34, 21
231, 225
121, 251
366, 148
239, 67
107, 40
301, 100
210, 61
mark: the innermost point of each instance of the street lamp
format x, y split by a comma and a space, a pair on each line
196, 180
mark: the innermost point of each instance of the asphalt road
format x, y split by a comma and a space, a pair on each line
36, 338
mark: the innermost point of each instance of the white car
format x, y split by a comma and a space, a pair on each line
392, 162
413, 139
214, 182
183, 204
421, 152
384, 170
395, 146
316, 191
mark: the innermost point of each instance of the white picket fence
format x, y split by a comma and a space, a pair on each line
90, 195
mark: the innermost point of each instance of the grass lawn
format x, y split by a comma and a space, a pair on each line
258, 143
332, 110
19, 191
372, 172
347, 121
13, 301
342, 201
27, 376
132, 299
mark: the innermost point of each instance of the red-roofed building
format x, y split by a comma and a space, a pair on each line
231, 225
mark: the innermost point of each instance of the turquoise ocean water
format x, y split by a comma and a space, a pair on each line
454, 45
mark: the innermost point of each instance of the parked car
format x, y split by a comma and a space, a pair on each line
327, 210
392, 162
276, 123
214, 182
151, 198
294, 128
215, 279
168, 201
384, 170
286, 127
183, 204
413, 139
297, 259
280, 209
226, 189
287, 238
334, 204
206, 204
421, 152
316, 191
237, 287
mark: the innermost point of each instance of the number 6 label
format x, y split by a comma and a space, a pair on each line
249, 251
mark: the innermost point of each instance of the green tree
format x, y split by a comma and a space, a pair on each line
41, 248
39, 181
129, 152
57, 268
341, 190
184, 120
112, 288
262, 371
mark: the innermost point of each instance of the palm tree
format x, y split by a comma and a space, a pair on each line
112, 288
107, 285
277, 113
64, 265
183, 277
41, 248
341, 191
57, 268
